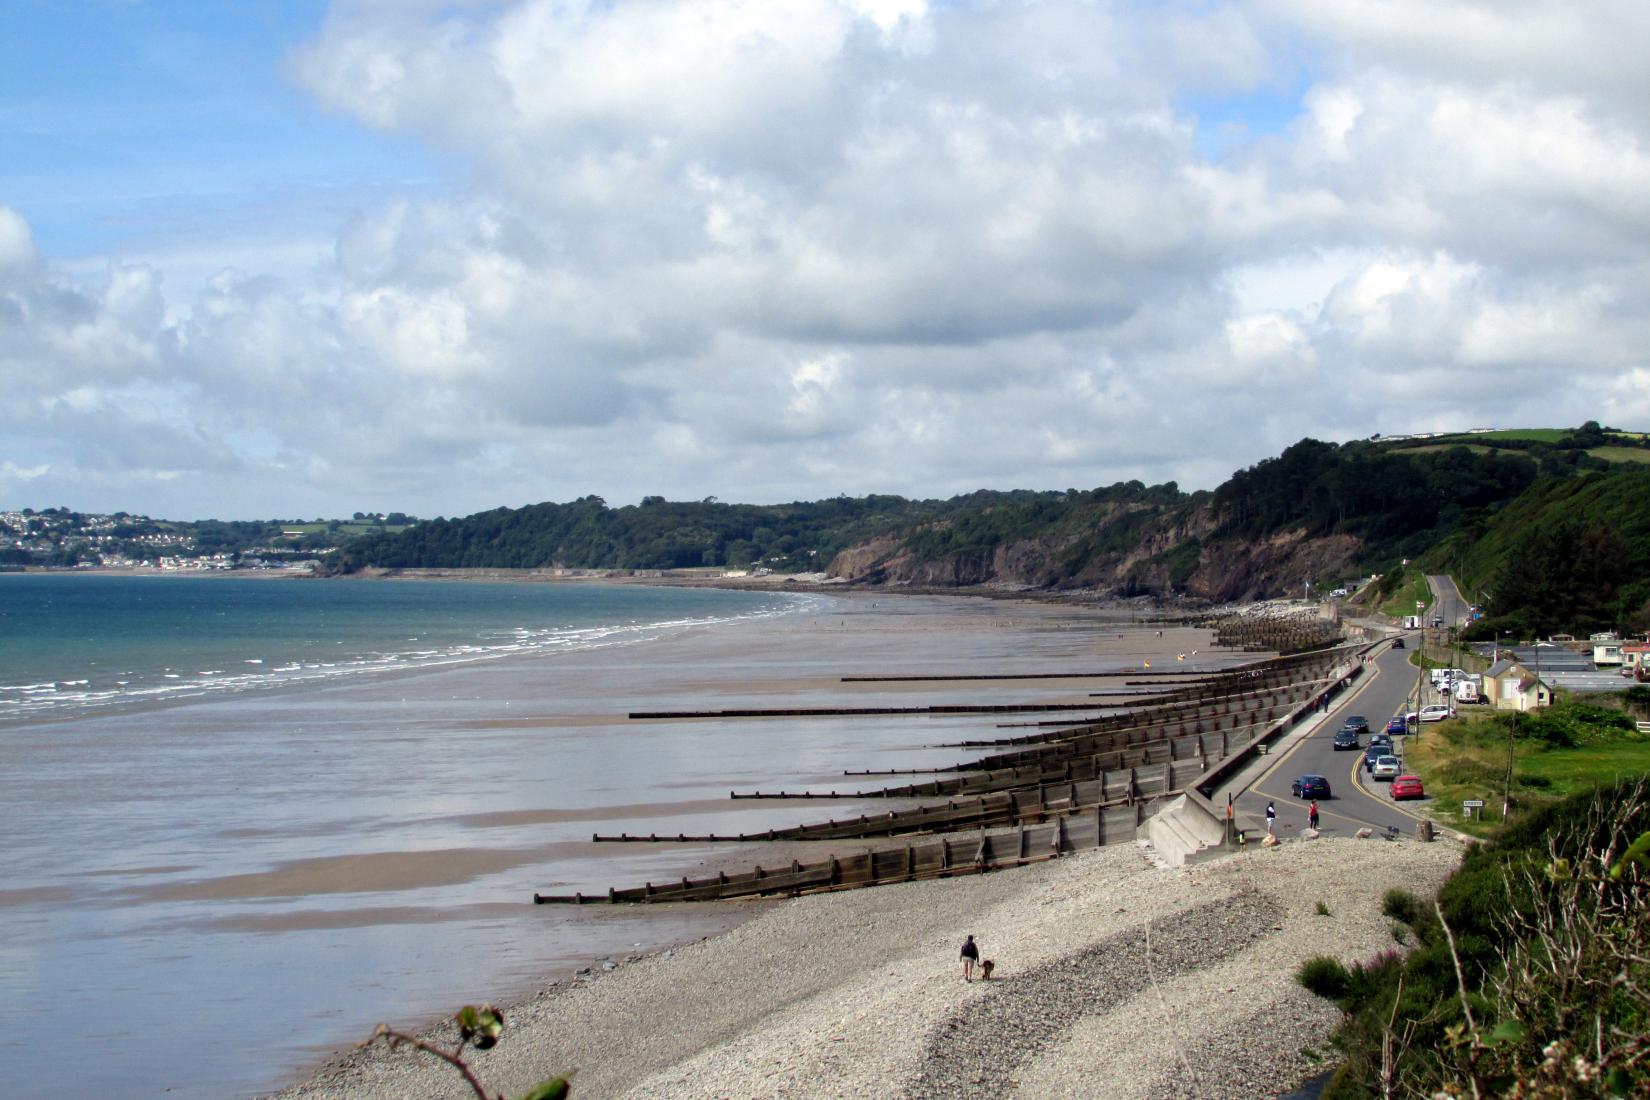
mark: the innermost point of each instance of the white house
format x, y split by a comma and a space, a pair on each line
1508, 685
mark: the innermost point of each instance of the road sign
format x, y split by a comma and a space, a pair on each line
1472, 803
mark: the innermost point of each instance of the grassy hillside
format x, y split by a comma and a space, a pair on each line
1569, 553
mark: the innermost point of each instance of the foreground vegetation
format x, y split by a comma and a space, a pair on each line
1530, 973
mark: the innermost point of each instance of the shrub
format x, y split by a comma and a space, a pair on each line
1367, 981
1323, 909
1401, 905
1536, 782
1325, 976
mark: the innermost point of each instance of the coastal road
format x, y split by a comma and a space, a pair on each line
1356, 803
1447, 602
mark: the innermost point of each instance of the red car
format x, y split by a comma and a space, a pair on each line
1408, 786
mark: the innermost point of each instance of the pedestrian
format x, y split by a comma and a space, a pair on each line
1271, 818
1312, 814
970, 956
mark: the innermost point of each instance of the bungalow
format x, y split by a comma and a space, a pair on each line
1508, 685
1634, 657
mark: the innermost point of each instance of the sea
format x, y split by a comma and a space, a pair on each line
244, 819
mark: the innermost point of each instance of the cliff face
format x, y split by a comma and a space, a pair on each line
1167, 554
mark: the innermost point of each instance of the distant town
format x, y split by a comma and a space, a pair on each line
64, 539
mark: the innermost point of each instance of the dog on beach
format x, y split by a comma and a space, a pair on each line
986, 966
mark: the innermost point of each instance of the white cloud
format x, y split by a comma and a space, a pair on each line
17, 252
777, 249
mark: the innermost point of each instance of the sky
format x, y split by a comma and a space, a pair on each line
290, 258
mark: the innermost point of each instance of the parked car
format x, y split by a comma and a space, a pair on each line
1397, 726
1346, 738
1397, 643
1357, 722
1378, 747
1385, 767
1437, 712
1310, 786
1408, 786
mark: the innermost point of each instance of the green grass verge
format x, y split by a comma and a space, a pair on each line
1402, 602
1467, 759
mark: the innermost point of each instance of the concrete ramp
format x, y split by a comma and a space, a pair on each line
1180, 835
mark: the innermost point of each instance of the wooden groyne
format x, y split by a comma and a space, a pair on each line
1082, 784
1015, 806
1088, 757
862, 712
941, 857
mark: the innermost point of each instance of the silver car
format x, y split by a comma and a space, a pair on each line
1385, 767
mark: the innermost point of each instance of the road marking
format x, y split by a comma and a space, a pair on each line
1372, 673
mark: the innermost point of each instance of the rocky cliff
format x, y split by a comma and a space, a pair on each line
1124, 552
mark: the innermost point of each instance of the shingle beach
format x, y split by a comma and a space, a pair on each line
1115, 977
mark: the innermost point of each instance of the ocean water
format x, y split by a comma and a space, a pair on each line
71, 642
242, 821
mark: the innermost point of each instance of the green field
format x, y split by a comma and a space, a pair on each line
1621, 454
1532, 435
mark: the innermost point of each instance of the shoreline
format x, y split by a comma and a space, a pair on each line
861, 988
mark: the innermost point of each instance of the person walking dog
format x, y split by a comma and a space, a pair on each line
970, 956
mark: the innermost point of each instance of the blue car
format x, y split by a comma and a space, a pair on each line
1310, 786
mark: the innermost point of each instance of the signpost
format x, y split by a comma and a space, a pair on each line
1472, 807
